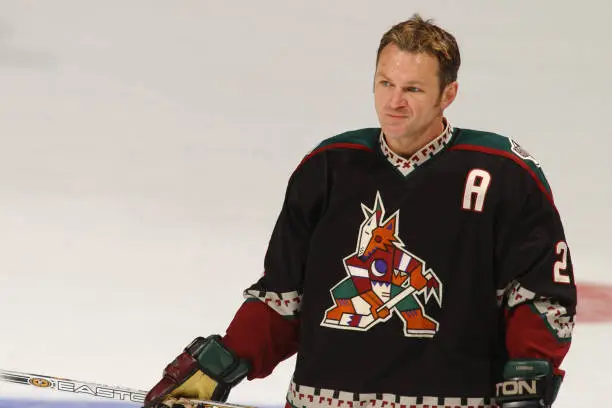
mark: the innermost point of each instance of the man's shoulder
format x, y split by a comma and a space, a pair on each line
364, 138
497, 144
494, 142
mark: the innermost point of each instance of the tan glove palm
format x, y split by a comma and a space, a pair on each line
199, 386
185, 377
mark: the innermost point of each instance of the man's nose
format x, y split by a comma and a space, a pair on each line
397, 99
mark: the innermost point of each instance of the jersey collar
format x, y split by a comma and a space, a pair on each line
408, 165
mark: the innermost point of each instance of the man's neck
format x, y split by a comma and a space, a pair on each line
409, 145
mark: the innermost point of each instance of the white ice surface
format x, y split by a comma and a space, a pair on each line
146, 145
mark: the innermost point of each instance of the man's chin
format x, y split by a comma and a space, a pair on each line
394, 131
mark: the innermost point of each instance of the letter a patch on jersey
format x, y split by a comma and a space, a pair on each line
383, 279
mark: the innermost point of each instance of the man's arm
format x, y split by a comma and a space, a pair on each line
536, 288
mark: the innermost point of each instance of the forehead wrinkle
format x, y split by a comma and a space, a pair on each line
407, 67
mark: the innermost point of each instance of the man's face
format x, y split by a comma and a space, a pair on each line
407, 93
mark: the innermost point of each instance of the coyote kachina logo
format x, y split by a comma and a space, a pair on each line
383, 277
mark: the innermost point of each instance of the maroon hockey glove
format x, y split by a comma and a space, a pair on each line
206, 370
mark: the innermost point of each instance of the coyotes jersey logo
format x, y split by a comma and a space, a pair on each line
521, 152
383, 277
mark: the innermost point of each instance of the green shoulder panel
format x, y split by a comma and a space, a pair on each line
503, 144
367, 137
360, 139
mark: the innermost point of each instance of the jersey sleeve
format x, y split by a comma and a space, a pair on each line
265, 329
536, 281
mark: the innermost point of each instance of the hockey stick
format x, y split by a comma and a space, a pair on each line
77, 387
409, 290
397, 298
93, 389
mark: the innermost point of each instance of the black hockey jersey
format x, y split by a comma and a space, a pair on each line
410, 282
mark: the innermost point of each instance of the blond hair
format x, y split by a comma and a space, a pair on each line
417, 35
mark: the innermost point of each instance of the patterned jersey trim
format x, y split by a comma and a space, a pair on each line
517, 294
556, 317
301, 396
286, 304
554, 314
408, 165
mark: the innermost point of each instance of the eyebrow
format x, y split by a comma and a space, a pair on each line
412, 82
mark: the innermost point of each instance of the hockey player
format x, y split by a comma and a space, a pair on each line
415, 264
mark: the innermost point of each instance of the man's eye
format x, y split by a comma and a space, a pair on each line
412, 89
385, 83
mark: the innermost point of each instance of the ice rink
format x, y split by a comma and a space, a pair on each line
146, 147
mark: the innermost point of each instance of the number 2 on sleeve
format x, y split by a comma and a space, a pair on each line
559, 269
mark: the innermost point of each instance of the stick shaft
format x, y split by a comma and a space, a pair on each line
93, 389
73, 386
399, 297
